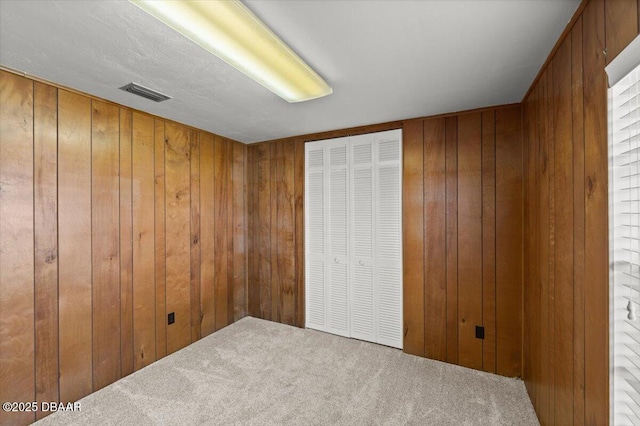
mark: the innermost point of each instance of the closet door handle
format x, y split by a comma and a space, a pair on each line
335, 259
361, 263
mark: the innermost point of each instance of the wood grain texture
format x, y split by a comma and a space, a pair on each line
239, 230
451, 154
509, 242
285, 229
178, 231
84, 243
551, 137
543, 250
17, 375
621, 22
263, 228
596, 217
45, 169
275, 202
253, 302
489, 240
299, 231
143, 273
413, 238
229, 229
528, 339
469, 239
531, 326
74, 246
563, 224
194, 290
126, 241
207, 243
221, 276
568, 320
105, 245
578, 221
160, 240
435, 280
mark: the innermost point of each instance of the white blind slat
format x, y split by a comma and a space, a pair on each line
625, 149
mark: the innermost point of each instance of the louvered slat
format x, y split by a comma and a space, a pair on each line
362, 213
338, 212
388, 226
389, 301
315, 294
315, 208
388, 240
362, 303
338, 300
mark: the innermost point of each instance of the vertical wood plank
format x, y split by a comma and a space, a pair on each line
144, 273
563, 265
45, 156
194, 137
413, 238
543, 250
435, 285
489, 241
509, 241
239, 231
177, 175
529, 342
252, 241
286, 227
299, 231
229, 230
596, 270
17, 373
160, 239
469, 239
74, 246
105, 246
552, 241
263, 271
126, 241
275, 206
207, 222
220, 229
533, 262
451, 153
578, 222
621, 26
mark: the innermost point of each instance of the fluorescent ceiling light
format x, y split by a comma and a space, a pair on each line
233, 33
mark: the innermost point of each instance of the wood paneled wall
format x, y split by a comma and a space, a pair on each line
462, 213
463, 219
276, 231
109, 220
566, 315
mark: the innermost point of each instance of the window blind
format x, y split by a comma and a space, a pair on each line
625, 217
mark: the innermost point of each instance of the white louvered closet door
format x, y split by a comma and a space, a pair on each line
362, 228
354, 224
338, 213
388, 241
315, 238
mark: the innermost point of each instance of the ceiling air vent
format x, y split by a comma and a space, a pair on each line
145, 92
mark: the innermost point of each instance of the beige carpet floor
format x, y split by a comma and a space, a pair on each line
257, 372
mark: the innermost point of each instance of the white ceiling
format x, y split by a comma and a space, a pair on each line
386, 60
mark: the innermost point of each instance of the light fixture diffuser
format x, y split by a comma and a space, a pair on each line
229, 30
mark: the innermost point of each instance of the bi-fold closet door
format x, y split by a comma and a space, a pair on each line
353, 222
